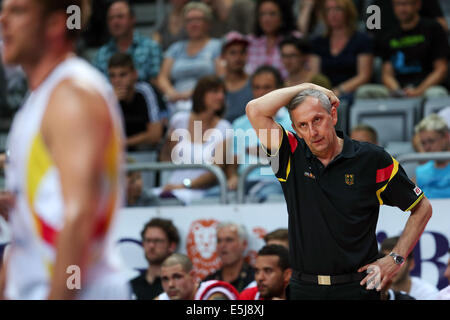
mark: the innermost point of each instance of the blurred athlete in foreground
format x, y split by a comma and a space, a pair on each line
63, 172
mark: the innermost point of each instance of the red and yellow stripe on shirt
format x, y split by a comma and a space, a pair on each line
38, 165
386, 174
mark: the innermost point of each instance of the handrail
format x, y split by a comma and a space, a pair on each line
243, 177
425, 156
404, 158
160, 166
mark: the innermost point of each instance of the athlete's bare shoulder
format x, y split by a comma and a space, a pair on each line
74, 105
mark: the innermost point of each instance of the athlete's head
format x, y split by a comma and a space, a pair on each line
30, 28
272, 271
178, 277
160, 239
314, 118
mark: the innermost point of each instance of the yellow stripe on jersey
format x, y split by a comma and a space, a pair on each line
415, 203
394, 172
39, 162
288, 170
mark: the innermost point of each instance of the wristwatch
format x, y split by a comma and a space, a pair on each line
399, 260
187, 183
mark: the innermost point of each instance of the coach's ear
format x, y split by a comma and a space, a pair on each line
334, 115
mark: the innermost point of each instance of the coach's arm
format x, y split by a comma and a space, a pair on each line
261, 112
417, 221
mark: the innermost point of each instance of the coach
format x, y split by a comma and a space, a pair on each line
334, 187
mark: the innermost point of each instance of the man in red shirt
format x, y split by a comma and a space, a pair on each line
272, 275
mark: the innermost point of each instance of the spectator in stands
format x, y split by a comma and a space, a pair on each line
430, 9
180, 283
445, 114
272, 274
364, 133
172, 28
414, 56
261, 182
139, 102
274, 21
186, 61
309, 18
136, 196
242, 16
237, 81
13, 87
191, 140
295, 54
278, 236
447, 270
160, 239
415, 287
221, 13
344, 54
444, 294
232, 241
387, 293
178, 278
145, 52
3, 103
434, 176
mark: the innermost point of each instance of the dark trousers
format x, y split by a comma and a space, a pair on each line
301, 290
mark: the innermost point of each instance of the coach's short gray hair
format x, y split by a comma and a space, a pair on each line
241, 230
301, 97
433, 122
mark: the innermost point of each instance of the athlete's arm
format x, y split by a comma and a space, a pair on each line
261, 112
76, 129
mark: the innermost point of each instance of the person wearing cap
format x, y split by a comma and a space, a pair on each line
334, 187
237, 82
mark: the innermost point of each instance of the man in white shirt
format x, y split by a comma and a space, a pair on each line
416, 287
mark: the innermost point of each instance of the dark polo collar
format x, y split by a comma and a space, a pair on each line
348, 150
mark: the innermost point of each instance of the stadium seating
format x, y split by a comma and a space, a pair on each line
435, 105
149, 15
393, 119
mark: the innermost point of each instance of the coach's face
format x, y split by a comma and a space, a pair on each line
22, 28
315, 125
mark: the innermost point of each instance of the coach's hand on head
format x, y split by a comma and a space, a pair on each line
330, 94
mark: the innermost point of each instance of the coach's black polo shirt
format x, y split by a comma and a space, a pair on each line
333, 211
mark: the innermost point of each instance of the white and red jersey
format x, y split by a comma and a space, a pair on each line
38, 216
251, 293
